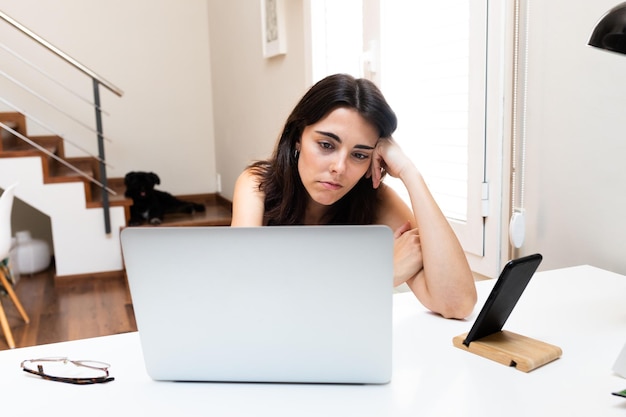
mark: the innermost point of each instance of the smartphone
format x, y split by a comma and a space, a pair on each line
506, 292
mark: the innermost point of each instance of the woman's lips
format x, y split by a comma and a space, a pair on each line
330, 185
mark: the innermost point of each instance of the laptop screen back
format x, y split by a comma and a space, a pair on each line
266, 304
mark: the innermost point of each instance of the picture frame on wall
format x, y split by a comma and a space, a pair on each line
273, 26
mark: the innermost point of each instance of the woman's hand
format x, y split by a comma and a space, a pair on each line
388, 156
407, 254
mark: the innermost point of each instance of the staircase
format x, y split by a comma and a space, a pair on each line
73, 203
53, 170
85, 218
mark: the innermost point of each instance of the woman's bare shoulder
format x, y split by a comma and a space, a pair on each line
248, 178
392, 210
248, 200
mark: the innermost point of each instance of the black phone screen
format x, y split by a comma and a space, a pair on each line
506, 292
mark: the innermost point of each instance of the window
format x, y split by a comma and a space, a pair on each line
336, 38
432, 72
430, 60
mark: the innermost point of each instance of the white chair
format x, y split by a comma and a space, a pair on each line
6, 205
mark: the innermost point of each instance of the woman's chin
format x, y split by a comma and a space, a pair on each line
325, 200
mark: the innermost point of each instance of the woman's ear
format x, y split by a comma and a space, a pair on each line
296, 152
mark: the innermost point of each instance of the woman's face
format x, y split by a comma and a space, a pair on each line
335, 153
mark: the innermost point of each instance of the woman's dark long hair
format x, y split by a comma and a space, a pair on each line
285, 196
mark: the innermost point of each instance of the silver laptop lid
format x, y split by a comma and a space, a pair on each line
266, 304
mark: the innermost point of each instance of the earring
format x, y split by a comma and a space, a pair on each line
296, 153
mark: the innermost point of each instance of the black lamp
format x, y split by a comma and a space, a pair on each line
610, 32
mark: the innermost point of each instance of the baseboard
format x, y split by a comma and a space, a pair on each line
223, 200
68, 279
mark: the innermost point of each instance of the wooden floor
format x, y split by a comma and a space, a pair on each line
69, 309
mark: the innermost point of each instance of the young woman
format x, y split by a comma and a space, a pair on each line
328, 167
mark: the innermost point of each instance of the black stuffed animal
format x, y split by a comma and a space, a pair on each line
150, 204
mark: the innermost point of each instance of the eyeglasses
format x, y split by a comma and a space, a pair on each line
81, 372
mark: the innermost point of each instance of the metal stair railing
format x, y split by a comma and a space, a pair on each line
51, 129
53, 156
97, 81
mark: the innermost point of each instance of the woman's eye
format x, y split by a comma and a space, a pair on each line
326, 145
360, 156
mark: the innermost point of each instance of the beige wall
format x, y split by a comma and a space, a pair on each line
200, 99
156, 51
252, 95
576, 182
180, 68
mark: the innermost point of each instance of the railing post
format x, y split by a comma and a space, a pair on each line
103, 170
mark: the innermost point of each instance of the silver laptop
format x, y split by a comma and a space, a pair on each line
307, 304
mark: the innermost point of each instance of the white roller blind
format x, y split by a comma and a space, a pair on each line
431, 67
433, 74
425, 76
336, 37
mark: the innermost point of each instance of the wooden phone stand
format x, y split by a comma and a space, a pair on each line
511, 349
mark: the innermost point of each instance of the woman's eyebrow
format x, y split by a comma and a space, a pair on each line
338, 139
329, 134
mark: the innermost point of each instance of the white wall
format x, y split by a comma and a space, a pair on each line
157, 52
576, 174
252, 95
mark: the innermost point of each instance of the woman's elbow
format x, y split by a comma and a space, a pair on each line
459, 308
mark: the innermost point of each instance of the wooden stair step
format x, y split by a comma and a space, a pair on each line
22, 148
218, 210
15, 121
118, 199
61, 172
7, 135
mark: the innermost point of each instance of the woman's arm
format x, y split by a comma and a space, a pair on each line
248, 201
445, 283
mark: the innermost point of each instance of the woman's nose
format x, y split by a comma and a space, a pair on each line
338, 165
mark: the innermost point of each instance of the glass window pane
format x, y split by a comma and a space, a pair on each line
425, 76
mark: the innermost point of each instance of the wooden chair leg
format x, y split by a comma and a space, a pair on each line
9, 288
5, 328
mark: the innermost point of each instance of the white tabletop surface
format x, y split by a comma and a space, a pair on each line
580, 309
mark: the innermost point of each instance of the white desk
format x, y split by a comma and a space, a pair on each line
581, 309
